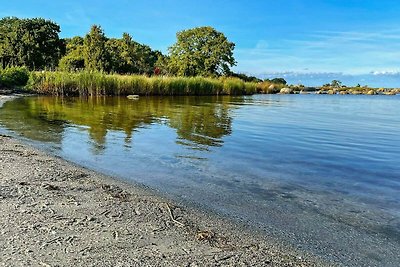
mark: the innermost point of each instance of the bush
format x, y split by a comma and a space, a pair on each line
71, 63
14, 76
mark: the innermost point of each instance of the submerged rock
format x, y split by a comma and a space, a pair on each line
133, 97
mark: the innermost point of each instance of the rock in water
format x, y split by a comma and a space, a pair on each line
133, 97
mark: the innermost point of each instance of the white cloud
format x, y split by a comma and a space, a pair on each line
387, 72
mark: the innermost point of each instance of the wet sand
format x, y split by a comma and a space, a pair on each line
53, 213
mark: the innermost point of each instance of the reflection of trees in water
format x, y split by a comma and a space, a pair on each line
203, 123
28, 119
198, 120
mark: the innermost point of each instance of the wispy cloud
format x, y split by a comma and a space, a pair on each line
387, 73
353, 52
76, 16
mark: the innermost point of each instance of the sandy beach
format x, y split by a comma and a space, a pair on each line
54, 213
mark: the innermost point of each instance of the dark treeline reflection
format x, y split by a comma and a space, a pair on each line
201, 121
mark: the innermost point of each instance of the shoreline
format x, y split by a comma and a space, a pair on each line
66, 214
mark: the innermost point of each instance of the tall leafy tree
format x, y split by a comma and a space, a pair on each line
95, 54
129, 56
162, 65
201, 51
34, 43
119, 60
74, 58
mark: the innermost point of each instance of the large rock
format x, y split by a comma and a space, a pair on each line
286, 91
332, 92
390, 93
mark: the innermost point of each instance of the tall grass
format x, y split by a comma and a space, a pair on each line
97, 83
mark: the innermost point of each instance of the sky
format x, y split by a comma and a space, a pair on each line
305, 41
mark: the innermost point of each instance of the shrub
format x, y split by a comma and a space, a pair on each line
14, 76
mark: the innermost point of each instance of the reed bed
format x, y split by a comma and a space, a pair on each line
96, 83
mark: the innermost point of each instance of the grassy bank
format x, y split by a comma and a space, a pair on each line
97, 83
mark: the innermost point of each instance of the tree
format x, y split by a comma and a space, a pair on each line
72, 61
118, 56
336, 84
73, 43
162, 64
33, 43
245, 77
95, 54
201, 51
74, 58
129, 56
279, 81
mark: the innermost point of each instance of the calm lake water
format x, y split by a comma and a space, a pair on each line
321, 172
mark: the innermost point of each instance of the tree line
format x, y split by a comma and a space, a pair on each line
36, 44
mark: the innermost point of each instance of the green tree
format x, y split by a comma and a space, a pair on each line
73, 43
279, 81
162, 64
245, 77
74, 59
201, 51
118, 57
95, 54
129, 56
336, 84
33, 43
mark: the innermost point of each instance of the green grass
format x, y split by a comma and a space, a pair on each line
97, 83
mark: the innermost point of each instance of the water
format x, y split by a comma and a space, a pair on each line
320, 172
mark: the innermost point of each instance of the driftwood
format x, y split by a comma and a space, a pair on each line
171, 215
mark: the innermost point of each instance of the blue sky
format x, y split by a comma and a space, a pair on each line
306, 41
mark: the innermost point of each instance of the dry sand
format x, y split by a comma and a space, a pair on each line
53, 213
